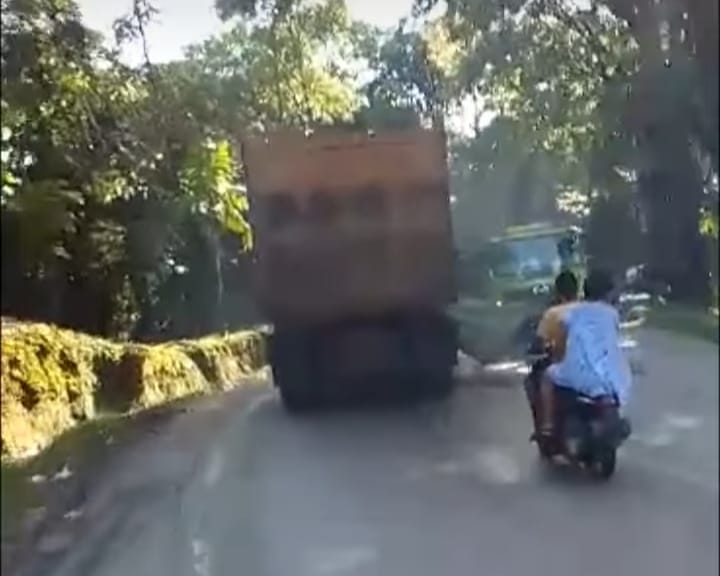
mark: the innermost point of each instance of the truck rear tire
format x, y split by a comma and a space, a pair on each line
295, 401
435, 353
310, 365
291, 364
438, 385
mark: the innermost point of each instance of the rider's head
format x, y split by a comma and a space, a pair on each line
598, 285
566, 286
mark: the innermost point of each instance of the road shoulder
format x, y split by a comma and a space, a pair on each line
159, 452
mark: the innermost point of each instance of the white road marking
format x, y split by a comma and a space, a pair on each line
258, 403
497, 466
336, 562
676, 474
214, 469
201, 557
73, 514
216, 461
682, 421
517, 367
666, 431
212, 473
657, 439
466, 367
493, 465
63, 474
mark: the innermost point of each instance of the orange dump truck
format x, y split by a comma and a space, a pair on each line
354, 261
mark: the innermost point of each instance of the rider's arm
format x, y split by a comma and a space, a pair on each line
544, 329
552, 332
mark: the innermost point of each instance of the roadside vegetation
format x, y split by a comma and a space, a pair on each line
55, 379
123, 205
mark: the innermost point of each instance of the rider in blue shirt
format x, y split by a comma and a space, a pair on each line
594, 363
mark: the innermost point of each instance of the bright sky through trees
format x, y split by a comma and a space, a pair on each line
184, 22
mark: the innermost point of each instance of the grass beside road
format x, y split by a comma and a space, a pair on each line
54, 379
695, 322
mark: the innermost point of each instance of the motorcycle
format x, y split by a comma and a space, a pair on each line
587, 431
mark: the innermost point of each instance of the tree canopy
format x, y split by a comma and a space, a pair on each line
123, 205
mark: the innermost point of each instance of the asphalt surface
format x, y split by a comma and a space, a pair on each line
238, 487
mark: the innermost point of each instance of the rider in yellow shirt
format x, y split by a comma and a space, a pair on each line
552, 333
552, 328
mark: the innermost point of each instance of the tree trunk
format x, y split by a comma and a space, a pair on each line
215, 247
677, 251
661, 115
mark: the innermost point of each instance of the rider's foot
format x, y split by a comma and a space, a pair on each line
542, 432
546, 431
546, 440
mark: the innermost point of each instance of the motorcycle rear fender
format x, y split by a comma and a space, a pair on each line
610, 429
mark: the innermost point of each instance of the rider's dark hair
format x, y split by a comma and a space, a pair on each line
598, 285
566, 285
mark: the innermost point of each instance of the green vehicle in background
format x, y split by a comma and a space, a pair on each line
506, 286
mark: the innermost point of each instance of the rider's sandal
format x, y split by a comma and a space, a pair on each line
544, 434
546, 439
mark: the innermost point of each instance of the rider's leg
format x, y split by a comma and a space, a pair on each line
554, 375
532, 390
547, 404
532, 387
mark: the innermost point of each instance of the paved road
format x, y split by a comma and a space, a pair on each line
243, 489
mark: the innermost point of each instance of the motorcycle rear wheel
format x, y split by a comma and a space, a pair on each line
605, 464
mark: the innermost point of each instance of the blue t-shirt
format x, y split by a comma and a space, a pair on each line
594, 363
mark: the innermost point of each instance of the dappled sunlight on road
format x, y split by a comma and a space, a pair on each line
492, 465
670, 428
339, 560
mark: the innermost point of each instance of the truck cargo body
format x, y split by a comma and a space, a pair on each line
354, 259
